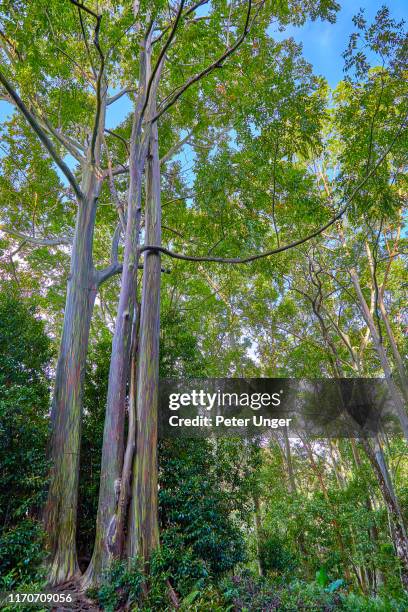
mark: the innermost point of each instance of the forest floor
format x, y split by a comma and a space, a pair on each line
80, 602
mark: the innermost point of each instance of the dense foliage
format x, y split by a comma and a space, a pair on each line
25, 353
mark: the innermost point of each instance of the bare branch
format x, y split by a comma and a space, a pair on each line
218, 63
64, 140
176, 147
33, 240
86, 42
41, 134
161, 57
120, 93
100, 75
119, 137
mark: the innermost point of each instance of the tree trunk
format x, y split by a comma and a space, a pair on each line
395, 351
60, 514
144, 530
377, 574
61, 508
126, 480
258, 531
288, 456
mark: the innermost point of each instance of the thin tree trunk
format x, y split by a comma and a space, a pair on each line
379, 347
125, 488
288, 456
398, 532
395, 351
144, 530
333, 521
258, 531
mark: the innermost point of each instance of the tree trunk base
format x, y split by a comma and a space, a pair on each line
63, 568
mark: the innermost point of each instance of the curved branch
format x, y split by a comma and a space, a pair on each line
119, 94
119, 137
218, 63
161, 57
291, 245
81, 21
36, 241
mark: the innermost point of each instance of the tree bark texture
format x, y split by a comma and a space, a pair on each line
144, 530
61, 508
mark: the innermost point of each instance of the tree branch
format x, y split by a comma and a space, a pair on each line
161, 57
120, 93
291, 245
216, 64
119, 137
33, 240
41, 134
190, 10
176, 147
115, 267
64, 140
81, 21
68, 142
125, 169
100, 75
12, 45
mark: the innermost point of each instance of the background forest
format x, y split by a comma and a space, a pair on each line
182, 196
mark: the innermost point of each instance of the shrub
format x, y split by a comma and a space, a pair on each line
122, 582
275, 555
21, 553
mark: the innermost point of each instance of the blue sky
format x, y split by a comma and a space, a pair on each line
323, 42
